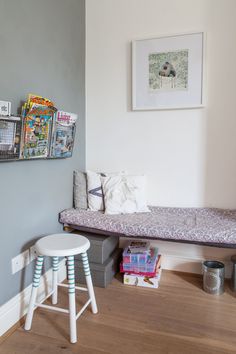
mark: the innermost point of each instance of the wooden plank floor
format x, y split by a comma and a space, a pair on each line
178, 318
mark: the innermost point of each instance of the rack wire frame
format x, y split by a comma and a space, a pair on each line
10, 138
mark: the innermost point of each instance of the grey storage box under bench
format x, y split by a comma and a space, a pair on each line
101, 247
102, 274
104, 257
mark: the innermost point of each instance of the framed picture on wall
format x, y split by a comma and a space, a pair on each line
167, 72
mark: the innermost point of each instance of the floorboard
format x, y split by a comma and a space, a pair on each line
178, 318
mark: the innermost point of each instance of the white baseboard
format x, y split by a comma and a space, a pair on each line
188, 258
12, 311
191, 265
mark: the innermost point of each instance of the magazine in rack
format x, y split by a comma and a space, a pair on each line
63, 134
39, 100
37, 129
38, 115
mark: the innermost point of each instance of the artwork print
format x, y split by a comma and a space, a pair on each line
168, 70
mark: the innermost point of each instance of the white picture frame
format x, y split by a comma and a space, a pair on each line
167, 72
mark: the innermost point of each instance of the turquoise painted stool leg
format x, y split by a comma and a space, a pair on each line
55, 263
71, 292
89, 282
36, 280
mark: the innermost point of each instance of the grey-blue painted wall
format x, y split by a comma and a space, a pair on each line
42, 51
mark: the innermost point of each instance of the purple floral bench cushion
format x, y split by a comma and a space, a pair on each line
204, 225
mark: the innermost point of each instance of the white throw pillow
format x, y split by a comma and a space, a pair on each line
124, 194
95, 195
94, 189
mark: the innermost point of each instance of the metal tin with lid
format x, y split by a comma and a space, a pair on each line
213, 277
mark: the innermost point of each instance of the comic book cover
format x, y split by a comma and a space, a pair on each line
63, 134
36, 132
39, 100
35, 101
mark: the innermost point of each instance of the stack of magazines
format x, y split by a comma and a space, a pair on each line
47, 132
141, 264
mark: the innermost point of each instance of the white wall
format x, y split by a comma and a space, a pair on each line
189, 156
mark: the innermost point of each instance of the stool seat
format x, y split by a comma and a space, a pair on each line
62, 245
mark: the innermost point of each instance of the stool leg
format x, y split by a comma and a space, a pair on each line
89, 282
54, 279
36, 280
71, 292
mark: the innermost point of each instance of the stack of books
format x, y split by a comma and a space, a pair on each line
141, 265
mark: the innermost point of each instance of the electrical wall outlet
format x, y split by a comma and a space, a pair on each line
21, 261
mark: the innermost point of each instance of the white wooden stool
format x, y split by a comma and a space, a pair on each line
55, 246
